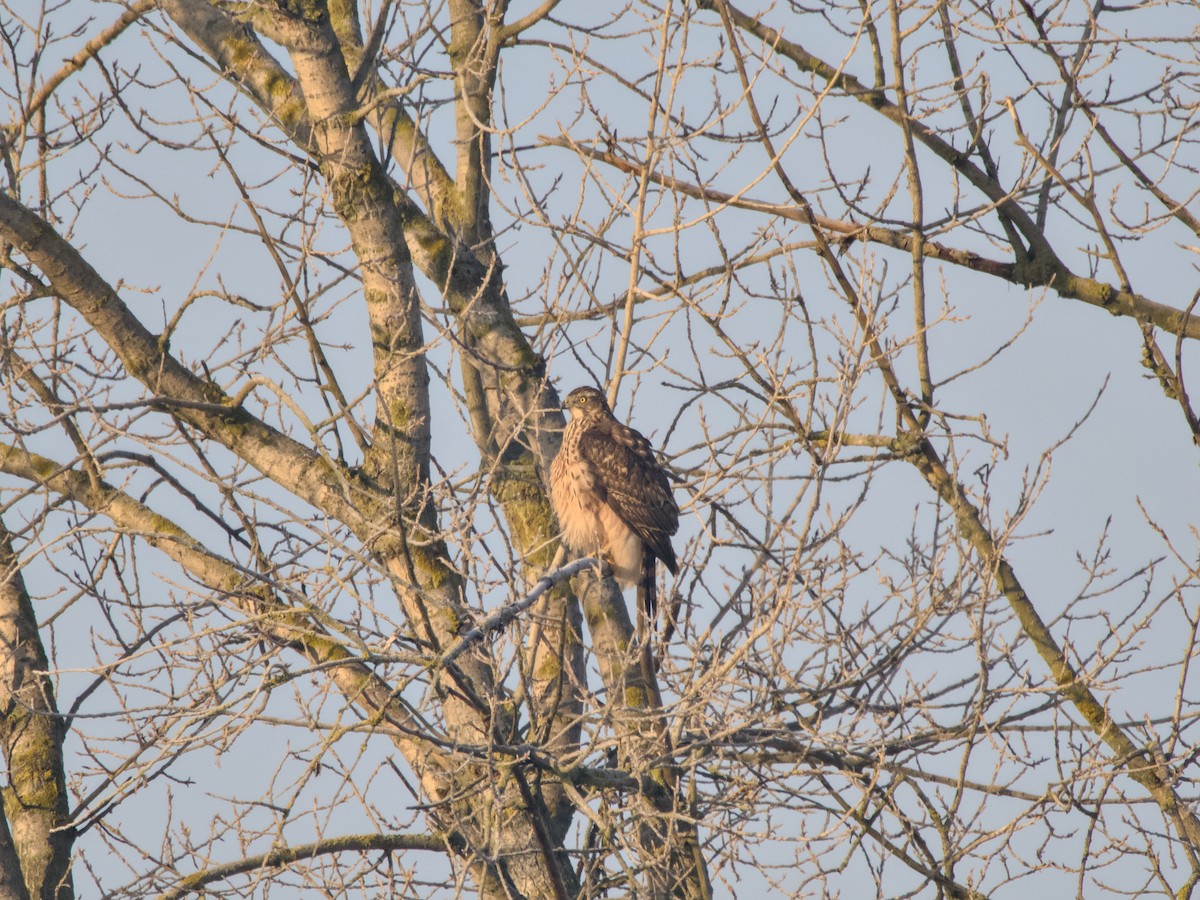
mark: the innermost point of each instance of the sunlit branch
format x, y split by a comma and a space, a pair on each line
281, 856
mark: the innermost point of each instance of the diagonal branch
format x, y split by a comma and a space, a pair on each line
199, 402
135, 11
282, 856
1037, 266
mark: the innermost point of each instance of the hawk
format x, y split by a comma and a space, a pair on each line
611, 496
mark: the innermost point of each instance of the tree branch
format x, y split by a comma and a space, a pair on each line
1041, 266
282, 856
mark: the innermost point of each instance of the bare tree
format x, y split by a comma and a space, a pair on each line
289, 289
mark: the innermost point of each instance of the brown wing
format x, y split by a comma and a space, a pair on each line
633, 484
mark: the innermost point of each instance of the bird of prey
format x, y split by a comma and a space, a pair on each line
611, 496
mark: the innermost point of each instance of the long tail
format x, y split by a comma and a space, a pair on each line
647, 590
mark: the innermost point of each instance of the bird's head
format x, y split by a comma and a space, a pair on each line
587, 403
